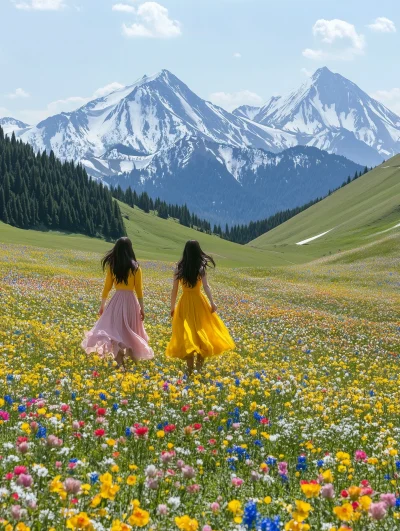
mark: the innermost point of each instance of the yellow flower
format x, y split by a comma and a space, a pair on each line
79, 521
354, 492
117, 525
310, 490
365, 502
327, 476
139, 517
131, 480
96, 501
160, 433
185, 523
296, 526
267, 500
302, 511
344, 512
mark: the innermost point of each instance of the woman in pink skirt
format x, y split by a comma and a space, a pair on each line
120, 327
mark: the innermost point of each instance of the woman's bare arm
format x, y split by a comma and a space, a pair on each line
174, 294
207, 291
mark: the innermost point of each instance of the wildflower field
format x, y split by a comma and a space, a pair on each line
297, 429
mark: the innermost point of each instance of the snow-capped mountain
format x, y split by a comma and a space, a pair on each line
143, 118
230, 184
330, 112
10, 125
246, 111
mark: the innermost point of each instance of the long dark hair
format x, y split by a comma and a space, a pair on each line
121, 260
193, 264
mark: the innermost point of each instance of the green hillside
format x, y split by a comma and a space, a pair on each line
153, 239
363, 212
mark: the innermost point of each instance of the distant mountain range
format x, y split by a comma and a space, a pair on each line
158, 135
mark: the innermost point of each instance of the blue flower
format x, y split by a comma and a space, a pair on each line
268, 524
397, 502
371, 393
301, 463
102, 396
115, 407
128, 432
398, 465
387, 476
250, 514
271, 461
21, 408
73, 396
10, 377
57, 392
73, 460
8, 399
94, 478
41, 433
320, 462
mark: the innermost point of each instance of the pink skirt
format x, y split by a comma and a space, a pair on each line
119, 328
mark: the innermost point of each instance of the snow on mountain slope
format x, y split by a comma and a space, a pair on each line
10, 125
232, 184
246, 111
150, 115
331, 112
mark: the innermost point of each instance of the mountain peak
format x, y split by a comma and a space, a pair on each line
323, 71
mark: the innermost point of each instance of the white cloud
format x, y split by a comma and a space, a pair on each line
237, 55
306, 72
3, 112
153, 22
66, 105
383, 25
103, 91
232, 100
39, 5
336, 32
18, 93
390, 98
125, 8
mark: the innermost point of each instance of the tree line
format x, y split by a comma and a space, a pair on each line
241, 234
39, 191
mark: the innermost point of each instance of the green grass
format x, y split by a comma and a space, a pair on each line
153, 239
363, 212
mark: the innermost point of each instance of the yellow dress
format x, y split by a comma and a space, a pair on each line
195, 329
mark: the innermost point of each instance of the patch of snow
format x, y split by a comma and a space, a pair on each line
313, 238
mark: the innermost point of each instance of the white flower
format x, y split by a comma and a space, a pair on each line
174, 501
4, 493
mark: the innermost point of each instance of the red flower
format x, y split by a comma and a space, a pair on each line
95, 374
15, 496
74, 500
264, 421
100, 432
142, 431
197, 426
344, 494
9, 475
212, 442
200, 448
65, 407
169, 428
101, 411
185, 408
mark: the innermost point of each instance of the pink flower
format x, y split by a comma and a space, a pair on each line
237, 482
54, 442
193, 488
207, 528
72, 486
162, 509
377, 511
360, 455
282, 468
75, 425
16, 512
188, 472
20, 469
65, 408
327, 491
389, 499
58, 464
215, 506
23, 448
25, 480
4, 415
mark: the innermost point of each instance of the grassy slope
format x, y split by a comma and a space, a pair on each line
356, 216
153, 239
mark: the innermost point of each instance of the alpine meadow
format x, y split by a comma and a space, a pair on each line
199, 269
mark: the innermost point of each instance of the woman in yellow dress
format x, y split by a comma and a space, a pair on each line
196, 327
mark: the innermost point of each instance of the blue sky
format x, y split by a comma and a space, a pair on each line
56, 54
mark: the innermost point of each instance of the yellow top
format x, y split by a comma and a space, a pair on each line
135, 283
